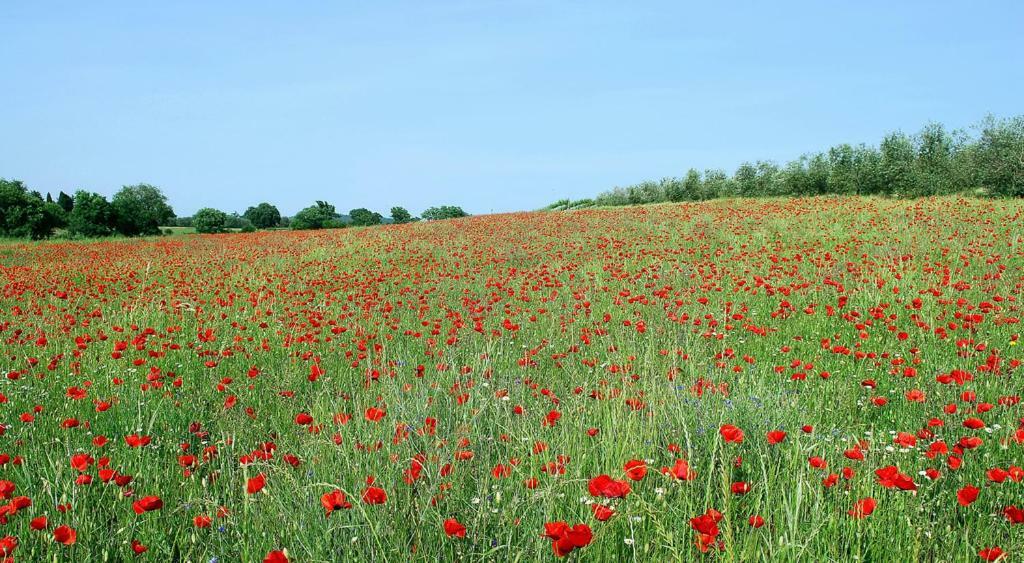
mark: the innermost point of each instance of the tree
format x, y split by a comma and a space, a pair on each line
843, 175
897, 165
934, 160
362, 217
1000, 156
208, 220
141, 209
318, 216
400, 215
66, 202
746, 180
444, 212
236, 221
674, 189
91, 216
263, 216
767, 180
717, 183
26, 214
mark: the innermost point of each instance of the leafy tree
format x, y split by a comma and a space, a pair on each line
693, 186
674, 189
717, 184
65, 202
263, 216
400, 215
897, 165
362, 217
842, 174
208, 220
444, 212
236, 221
91, 215
26, 214
767, 180
318, 216
934, 160
1000, 156
141, 209
746, 180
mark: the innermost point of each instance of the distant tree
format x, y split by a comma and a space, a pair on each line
897, 165
183, 221
362, 217
26, 214
693, 186
65, 202
400, 215
263, 216
208, 220
842, 174
444, 212
717, 184
318, 216
746, 180
867, 163
674, 189
236, 221
768, 179
91, 216
1000, 156
934, 160
141, 209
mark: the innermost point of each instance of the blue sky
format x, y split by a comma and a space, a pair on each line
494, 106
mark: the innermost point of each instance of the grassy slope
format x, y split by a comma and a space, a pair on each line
577, 285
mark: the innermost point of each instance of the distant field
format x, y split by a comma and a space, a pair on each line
829, 379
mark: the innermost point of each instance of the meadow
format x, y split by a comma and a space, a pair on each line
807, 379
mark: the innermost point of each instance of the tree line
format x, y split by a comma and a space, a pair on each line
320, 215
987, 160
142, 210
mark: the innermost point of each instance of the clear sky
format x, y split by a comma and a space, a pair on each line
494, 106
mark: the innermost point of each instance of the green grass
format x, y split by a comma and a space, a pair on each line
708, 281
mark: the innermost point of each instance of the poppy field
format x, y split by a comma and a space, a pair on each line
809, 379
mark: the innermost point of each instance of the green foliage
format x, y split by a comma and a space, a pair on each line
263, 216
25, 214
444, 212
91, 215
362, 217
141, 209
1000, 156
933, 162
321, 215
236, 221
208, 220
65, 202
400, 215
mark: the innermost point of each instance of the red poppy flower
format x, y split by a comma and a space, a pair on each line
635, 469
147, 504
992, 554
863, 508
375, 495
967, 495
65, 534
731, 434
452, 528
256, 484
